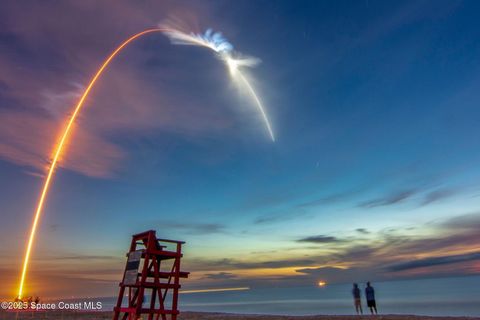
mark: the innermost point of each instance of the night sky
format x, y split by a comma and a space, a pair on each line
374, 174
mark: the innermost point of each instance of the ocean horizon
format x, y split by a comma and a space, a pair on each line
456, 296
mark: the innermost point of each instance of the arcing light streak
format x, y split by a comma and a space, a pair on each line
212, 41
259, 104
60, 147
216, 42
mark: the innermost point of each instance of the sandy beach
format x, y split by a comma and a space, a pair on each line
216, 316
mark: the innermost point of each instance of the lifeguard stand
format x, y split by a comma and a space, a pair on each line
153, 269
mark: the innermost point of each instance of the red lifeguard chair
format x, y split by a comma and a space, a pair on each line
153, 269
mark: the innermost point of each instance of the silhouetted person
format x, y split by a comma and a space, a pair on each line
37, 300
356, 299
370, 295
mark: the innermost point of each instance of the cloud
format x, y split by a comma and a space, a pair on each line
333, 198
383, 255
455, 234
437, 195
271, 218
281, 263
400, 196
390, 199
387, 254
362, 231
281, 216
320, 270
435, 261
360, 254
320, 239
466, 222
25, 138
81, 257
334, 275
220, 276
228, 264
391, 254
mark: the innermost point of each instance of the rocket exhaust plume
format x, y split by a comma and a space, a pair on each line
59, 148
233, 60
211, 40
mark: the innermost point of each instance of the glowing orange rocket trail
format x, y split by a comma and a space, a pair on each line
233, 65
60, 146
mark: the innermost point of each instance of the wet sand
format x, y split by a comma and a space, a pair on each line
69, 315
218, 316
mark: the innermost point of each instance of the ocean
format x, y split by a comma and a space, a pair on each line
436, 297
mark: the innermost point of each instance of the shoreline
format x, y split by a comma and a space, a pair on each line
190, 315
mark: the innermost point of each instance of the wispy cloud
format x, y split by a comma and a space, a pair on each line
466, 222
81, 257
320, 239
362, 231
390, 199
449, 250
219, 264
437, 195
333, 198
25, 139
220, 276
281, 216
435, 261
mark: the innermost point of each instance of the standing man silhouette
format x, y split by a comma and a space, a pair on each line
370, 295
356, 299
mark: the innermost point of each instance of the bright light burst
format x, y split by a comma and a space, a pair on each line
234, 61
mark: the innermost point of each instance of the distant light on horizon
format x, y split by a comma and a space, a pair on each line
322, 283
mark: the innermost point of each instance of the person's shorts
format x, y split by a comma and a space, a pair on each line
371, 304
358, 302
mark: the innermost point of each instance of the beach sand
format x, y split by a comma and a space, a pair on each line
68, 315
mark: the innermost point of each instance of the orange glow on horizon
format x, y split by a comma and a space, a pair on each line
322, 283
215, 290
59, 148
266, 272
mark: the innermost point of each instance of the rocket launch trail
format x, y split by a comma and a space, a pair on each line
59, 148
233, 60
217, 44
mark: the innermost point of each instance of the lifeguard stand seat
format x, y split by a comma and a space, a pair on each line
152, 270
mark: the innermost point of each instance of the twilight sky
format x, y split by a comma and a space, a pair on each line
374, 173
